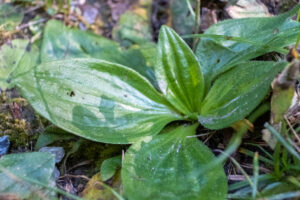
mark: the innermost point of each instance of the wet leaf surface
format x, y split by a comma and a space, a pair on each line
237, 92
37, 166
106, 102
168, 166
178, 73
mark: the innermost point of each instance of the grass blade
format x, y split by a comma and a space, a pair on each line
255, 175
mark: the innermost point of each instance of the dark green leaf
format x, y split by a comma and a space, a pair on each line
95, 99
178, 73
237, 92
168, 166
37, 166
272, 33
50, 135
61, 42
212, 56
110, 166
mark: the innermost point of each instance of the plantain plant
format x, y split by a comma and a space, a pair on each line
105, 101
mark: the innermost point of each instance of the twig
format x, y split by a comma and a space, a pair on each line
292, 129
237, 165
285, 143
262, 169
75, 176
190, 8
23, 26
236, 177
34, 8
205, 141
294, 144
200, 135
86, 162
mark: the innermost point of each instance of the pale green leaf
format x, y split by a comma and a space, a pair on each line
15, 58
237, 92
169, 167
37, 166
95, 99
178, 73
272, 31
61, 42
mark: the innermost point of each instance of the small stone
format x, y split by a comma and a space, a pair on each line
55, 173
90, 14
59, 152
4, 145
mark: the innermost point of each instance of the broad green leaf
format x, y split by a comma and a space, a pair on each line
15, 58
178, 73
61, 42
212, 56
37, 166
97, 100
237, 92
169, 167
10, 16
272, 33
110, 166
